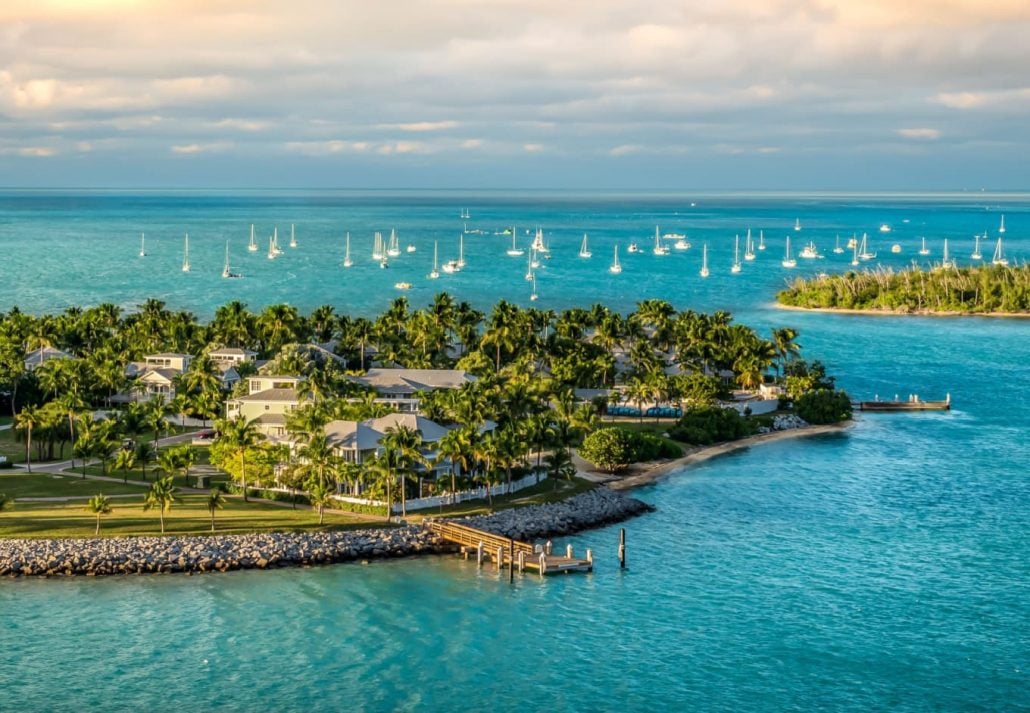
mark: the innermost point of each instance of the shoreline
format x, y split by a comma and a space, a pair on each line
651, 473
898, 313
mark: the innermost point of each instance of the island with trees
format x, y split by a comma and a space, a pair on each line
978, 289
152, 421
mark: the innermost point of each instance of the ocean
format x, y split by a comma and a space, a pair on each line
882, 568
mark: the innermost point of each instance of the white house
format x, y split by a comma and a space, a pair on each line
399, 388
37, 357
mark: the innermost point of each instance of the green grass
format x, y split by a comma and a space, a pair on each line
19, 484
548, 491
189, 517
10, 447
4, 420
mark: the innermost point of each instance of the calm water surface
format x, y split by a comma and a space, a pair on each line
885, 568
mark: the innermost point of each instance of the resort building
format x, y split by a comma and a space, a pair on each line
226, 361
267, 402
399, 388
37, 357
155, 375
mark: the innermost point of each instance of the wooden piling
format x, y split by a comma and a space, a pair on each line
479, 555
622, 548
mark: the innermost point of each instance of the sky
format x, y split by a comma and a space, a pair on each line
641, 95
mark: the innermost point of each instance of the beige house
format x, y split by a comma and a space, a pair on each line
268, 401
399, 388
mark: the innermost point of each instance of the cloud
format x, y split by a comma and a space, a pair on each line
472, 144
187, 149
241, 124
625, 150
978, 99
532, 148
925, 134
420, 126
37, 151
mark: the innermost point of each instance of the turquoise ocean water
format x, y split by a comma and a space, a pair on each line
886, 568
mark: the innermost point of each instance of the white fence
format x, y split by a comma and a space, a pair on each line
451, 498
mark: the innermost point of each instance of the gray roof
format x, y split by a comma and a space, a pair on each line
365, 435
272, 419
412, 380
38, 356
232, 351
167, 355
288, 395
163, 372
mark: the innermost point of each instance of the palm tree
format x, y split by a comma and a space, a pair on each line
27, 419
320, 496
124, 461
144, 454
154, 415
559, 465
785, 346
99, 505
239, 435
406, 445
6, 502
215, 501
318, 460
161, 497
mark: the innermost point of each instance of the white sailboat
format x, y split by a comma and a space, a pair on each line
1001, 228
809, 251
186, 255
976, 254
885, 228
632, 248
681, 243
464, 214
347, 262
393, 249
584, 251
704, 260
533, 295
272, 253
946, 262
293, 237
658, 249
863, 249
615, 268
226, 271
410, 248
736, 256
761, 240
142, 245
530, 264
999, 255
377, 246
788, 261
797, 224
252, 246
275, 242
923, 250
515, 250
854, 254
837, 249
461, 251
434, 273
749, 247
534, 261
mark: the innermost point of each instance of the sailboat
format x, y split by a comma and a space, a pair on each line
736, 256
464, 214
788, 261
681, 243
584, 251
658, 249
534, 262
226, 271
797, 224
704, 260
293, 237
999, 256
761, 240
410, 248
461, 251
538, 242
863, 248
394, 247
615, 268
923, 250
142, 245
377, 247
272, 252
945, 261
533, 295
275, 242
1001, 228
347, 262
977, 255
836, 247
186, 255
854, 255
515, 250
530, 264
809, 252
452, 266
252, 246
749, 247
435, 273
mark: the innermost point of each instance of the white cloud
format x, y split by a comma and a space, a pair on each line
420, 126
532, 148
922, 133
212, 147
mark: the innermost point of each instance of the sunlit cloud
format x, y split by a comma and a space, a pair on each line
925, 134
186, 149
420, 126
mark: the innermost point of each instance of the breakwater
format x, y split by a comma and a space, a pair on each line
593, 508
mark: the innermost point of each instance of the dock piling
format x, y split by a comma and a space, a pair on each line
568, 551
548, 546
590, 556
622, 548
522, 561
479, 555
500, 557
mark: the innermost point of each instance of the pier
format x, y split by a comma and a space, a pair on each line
914, 403
504, 551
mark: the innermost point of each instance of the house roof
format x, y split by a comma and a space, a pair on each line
36, 357
163, 374
271, 419
412, 380
365, 435
285, 395
231, 352
167, 355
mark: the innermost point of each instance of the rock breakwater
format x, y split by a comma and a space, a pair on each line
143, 555
593, 508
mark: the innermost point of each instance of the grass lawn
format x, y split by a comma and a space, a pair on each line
19, 484
188, 517
10, 447
545, 492
4, 420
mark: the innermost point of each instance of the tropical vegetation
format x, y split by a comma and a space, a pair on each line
978, 289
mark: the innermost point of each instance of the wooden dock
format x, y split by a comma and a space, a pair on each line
506, 552
914, 403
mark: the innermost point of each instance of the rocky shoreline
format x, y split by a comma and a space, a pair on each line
222, 553
593, 508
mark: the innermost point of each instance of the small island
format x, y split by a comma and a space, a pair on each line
998, 290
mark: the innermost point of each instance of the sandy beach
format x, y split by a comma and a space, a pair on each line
645, 474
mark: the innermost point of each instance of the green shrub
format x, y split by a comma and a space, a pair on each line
709, 425
824, 406
612, 449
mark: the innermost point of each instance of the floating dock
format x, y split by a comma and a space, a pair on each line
506, 552
914, 403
